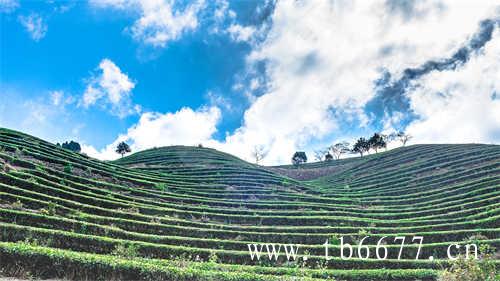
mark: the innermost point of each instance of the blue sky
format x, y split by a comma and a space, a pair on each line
233, 75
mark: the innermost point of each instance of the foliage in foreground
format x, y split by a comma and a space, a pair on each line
470, 269
30, 260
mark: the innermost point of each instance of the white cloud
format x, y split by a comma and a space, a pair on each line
56, 97
160, 21
221, 10
184, 127
219, 101
8, 6
324, 55
118, 4
35, 25
222, 16
111, 86
91, 96
61, 99
254, 84
457, 106
37, 115
241, 33
116, 83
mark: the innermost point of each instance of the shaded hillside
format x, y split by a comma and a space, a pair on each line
188, 213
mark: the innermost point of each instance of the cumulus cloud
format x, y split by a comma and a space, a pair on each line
39, 115
221, 16
241, 33
459, 105
222, 11
323, 58
324, 62
391, 93
56, 97
219, 101
184, 127
35, 25
110, 87
8, 6
159, 21
60, 99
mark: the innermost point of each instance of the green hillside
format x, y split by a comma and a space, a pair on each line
188, 213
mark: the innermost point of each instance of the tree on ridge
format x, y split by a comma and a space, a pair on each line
298, 158
72, 145
403, 137
259, 152
123, 148
361, 146
340, 148
376, 142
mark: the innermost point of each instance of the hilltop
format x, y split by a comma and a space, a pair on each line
188, 213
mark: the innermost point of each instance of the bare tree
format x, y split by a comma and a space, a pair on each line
403, 137
340, 148
319, 155
259, 152
388, 138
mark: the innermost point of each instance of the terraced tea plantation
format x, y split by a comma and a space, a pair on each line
189, 213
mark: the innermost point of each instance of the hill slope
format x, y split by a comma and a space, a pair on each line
157, 214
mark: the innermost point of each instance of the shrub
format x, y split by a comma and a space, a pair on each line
68, 168
131, 210
7, 168
50, 210
18, 205
482, 269
334, 240
125, 251
161, 186
213, 257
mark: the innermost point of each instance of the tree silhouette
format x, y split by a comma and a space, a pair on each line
72, 145
299, 157
123, 148
403, 137
328, 157
376, 142
361, 146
